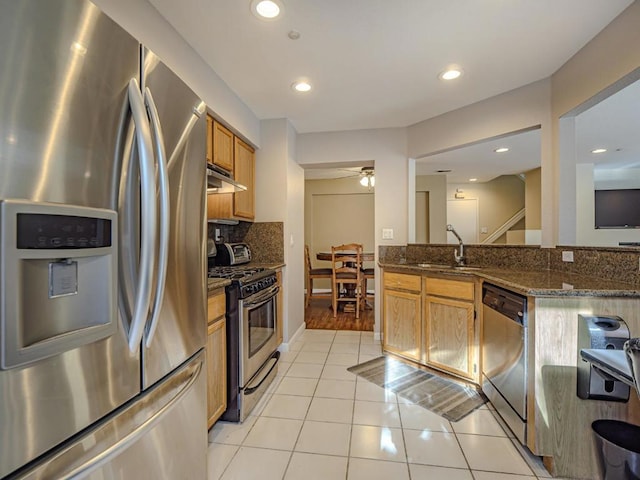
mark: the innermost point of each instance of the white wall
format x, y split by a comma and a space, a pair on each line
518, 109
436, 185
585, 220
280, 198
294, 233
603, 66
498, 201
144, 23
387, 147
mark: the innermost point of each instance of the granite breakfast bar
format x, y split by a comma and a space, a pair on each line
558, 421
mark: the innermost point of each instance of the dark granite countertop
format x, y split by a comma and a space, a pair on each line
215, 283
274, 265
535, 282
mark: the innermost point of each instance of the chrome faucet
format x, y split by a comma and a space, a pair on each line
459, 257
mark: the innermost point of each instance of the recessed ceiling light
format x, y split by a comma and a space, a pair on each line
599, 150
501, 150
301, 86
293, 35
266, 9
451, 73
473, 179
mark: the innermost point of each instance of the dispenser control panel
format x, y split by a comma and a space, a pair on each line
50, 231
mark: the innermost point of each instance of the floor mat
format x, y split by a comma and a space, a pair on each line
452, 399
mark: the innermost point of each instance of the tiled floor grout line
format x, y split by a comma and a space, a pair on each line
349, 458
404, 440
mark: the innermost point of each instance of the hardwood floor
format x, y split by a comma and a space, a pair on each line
319, 315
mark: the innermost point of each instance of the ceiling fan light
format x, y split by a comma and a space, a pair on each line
364, 181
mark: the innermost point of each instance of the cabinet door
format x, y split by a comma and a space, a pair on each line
222, 146
244, 173
216, 370
402, 323
448, 335
216, 305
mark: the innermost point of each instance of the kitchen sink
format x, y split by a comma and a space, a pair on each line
462, 268
433, 265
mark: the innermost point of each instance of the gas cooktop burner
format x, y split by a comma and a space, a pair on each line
248, 279
233, 273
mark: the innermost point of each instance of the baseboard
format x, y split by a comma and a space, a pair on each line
285, 347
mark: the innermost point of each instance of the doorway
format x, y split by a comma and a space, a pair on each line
339, 209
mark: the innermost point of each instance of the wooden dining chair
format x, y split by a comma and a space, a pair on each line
346, 261
367, 274
312, 274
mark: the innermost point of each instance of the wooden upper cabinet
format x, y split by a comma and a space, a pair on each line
222, 139
244, 173
227, 151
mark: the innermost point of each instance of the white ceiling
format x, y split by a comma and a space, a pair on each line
614, 124
374, 63
480, 160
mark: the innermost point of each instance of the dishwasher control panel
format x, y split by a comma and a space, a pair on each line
507, 303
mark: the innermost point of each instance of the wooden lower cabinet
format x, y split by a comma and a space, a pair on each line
449, 335
402, 318
216, 351
431, 320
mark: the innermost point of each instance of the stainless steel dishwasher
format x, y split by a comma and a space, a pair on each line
504, 355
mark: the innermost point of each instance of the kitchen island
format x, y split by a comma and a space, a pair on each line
558, 421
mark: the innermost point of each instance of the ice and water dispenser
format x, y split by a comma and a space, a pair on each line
58, 279
600, 332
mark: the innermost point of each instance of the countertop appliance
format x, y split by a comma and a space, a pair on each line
232, 254
102, 222
504, 355
252, 358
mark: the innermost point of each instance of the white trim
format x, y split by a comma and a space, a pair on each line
284, 347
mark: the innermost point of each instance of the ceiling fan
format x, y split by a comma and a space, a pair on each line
368, 178
367, 175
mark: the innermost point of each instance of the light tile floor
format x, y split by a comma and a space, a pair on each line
319, 421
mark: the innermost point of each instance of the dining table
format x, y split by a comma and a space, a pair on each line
364, 257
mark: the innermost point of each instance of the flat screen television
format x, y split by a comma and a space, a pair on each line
617, 208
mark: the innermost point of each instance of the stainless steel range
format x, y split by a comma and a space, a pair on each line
252, 357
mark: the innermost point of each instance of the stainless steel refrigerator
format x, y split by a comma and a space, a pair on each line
102, 254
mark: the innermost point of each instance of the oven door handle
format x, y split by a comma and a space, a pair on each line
250, 390
262, 298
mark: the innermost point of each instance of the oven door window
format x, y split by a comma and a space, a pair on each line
262, 326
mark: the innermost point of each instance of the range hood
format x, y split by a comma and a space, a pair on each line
218, 182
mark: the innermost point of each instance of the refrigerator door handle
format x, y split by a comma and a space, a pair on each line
193, 371
163, 190
147, 216
198, 111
